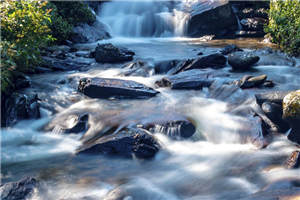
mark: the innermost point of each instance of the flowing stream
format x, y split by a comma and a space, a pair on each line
219, 162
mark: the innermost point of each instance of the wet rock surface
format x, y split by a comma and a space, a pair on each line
125, 143
242, 61
21, 190
138, 68
191, 79
107, 88
107, 53
249, 81
21, 107
272, 96
230, 49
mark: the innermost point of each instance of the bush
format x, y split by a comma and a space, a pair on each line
24, 30
75, 12
284, 25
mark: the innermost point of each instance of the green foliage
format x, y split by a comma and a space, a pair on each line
284, 25
75, 12
24, 30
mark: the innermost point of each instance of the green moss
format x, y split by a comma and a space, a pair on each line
291, 105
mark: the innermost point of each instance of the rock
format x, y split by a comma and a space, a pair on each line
253, 24
242, 61
253, 13
274, 112
215, 61
249, 34
191, 79
291, 113
40, 70
68, 64
138, 68
163, 67
230, 49
126, 143
206, 16
174, 129
293, 161
72, 124
107, 53
20, 190
252, 81
272, 97
21, 107
89, 33
107, 88
22, 82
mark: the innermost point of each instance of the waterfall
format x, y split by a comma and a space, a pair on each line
148, 18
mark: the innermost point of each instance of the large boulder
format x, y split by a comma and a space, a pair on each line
211, 18
108, 53
191, 79
89, 33
107, 88
20, 190
242, 61
291, 113
126, 143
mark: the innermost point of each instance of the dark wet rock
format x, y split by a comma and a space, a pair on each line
200, 53
242, 61
20, 107
293, 161
291, 113
272, 97
274, 113
253, 13
268, 84
84, 54
72, 124
191, 79
41, 70
64, 65
253, 24
138, 68
62, 81
252, 81
230, 49
60, 48
126, 143
107, 88
20, 190
22, 81
180, 66
107, 53
174, 129
163, 67
206, 17
89, 33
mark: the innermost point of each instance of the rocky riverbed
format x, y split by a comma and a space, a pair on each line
174, 118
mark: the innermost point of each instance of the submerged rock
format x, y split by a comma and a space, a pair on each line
191, 79
138, 68
175, 129
125, 143
211, 18
72, 124
20, 190
107, 53
293, 161
291, 113
107, 88
242, 61
230, 49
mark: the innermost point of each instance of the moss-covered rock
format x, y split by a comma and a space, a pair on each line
291, 106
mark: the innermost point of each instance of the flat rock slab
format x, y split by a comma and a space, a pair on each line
191, 79
104, 88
